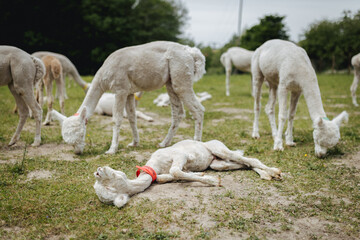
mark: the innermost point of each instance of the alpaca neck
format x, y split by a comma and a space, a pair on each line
139, 184
75, 74
312, 97
92, 98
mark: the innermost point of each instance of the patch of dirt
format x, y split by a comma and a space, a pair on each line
351, 161
39, 174
53, 151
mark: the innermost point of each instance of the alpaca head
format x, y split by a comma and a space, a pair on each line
327, 133
73, 129
111, 186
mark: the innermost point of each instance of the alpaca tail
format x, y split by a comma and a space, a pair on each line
56, 68
199, 59
40, 69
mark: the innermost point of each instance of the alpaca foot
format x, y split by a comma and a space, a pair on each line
290, 143
133, 144
46, 123
214, 181
278, 145
110, 151
256, 135
163, 144
275, 173
36, 143
355, 104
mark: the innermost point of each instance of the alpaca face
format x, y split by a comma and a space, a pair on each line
111, 186
326, 135
73, 132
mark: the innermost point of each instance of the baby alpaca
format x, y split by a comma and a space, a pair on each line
141, 68
163, 100
182, 161
355, 61
106, 104
287, 67
54, 72
68, 68
240, 58
21, 72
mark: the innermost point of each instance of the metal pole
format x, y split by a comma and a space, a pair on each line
240, 17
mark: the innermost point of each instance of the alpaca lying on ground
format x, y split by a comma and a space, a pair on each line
69, 69
54, 72
355, 61
287, 67
163, 100
169, 164
240, 58
141, 68
21, 72
106, 104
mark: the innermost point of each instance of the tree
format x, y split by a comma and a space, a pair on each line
331, 44
87, 31
270, 27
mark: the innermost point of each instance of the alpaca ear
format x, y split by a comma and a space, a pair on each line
319, 122
58, 116
83, 115
342, 117
121, 200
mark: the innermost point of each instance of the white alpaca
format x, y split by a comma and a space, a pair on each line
69, 69
240, 58
54, 72
163, 100
287, 67
106, 104
355, 61
177, 163
21, 72
141, 68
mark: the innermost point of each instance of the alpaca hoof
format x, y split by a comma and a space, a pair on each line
275, 173
12, 142
255, 135
356, 105
110, 152
278, 147
47, 123
133, 144
162, 145
35, 144
291, 144
150, 120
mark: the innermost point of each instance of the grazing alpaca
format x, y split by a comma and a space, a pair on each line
240, 58
355, 61
21, 72
168, 164
69, 69
106, 104
53, 72
141, 68
287, 67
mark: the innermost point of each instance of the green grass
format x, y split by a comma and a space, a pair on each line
66, 206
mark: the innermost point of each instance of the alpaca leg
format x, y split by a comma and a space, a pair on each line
294, 99
131, 113
282, 118
164, 178
354, 86
23, 114
197, 110
228, 73
270, 110
177, 172
233, 159
222, 165
258, 80
60, 85
49, 98
118, 110
177, 114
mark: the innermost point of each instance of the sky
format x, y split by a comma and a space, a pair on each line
214, 22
